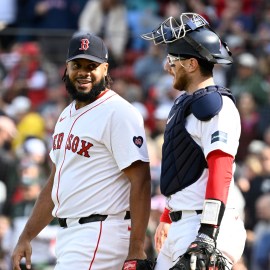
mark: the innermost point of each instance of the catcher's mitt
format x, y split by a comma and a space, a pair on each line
201, 255
138, 265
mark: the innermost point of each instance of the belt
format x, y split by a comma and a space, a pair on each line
92, 218
177, 215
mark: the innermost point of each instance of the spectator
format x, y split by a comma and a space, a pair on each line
29, 122
233, 20
164, 91
207, 11
247, 79
262, 40
259, 185
149, 68
7, 20
260, 253
59, 20
28, 76
58, 14
107, 19
4, 227
43, 246
172, 8
34, 150
250, 169
142, 17
161, 117
8, 163
266, 135
237, 45
249, 124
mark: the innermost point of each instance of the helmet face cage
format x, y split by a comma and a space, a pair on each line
210, 47
172, 29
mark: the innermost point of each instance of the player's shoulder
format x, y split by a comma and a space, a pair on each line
121, 106
117, 101
229, 107
207, 104
228, 104
67, 110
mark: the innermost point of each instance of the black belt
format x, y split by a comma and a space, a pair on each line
92, 218
177, 215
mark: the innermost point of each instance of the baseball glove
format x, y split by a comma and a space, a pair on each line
138, 265
201, 255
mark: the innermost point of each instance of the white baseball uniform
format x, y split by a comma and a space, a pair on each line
91, 147
232, 235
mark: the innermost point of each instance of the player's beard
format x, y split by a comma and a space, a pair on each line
182, 81
85, 97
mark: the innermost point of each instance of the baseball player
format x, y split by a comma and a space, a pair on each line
200, 227
99, 187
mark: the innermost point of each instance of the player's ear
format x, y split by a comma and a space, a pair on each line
105, 67
193, 64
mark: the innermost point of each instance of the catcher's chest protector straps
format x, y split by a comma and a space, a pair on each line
183, 160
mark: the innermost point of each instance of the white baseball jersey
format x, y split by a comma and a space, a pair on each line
222, 132
91, 146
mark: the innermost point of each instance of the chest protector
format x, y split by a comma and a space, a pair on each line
183, 160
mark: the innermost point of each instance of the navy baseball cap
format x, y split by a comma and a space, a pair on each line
87, 46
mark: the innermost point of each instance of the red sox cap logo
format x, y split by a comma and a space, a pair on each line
84, 44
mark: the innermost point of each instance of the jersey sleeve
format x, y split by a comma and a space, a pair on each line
125, 136
222, 132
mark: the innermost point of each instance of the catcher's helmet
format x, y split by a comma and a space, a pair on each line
191, 36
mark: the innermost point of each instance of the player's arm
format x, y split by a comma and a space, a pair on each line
40, 217
140, 201
220, 166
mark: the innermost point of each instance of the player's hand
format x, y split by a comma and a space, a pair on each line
161, 234
23, 249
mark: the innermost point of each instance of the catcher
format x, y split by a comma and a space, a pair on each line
200, 228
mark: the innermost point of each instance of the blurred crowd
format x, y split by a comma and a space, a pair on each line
33, 46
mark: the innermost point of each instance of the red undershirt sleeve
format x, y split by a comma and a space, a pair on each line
220, 166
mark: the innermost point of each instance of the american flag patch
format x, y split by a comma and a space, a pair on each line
219, 136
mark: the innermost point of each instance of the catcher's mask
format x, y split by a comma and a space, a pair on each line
191, 35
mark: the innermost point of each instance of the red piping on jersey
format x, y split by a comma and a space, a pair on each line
59, 173
95, 252
99, 96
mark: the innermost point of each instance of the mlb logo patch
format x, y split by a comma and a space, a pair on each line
219, 136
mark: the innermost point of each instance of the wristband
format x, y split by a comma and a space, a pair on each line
165, 217
213, 211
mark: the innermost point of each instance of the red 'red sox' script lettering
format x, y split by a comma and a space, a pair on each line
74, 143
